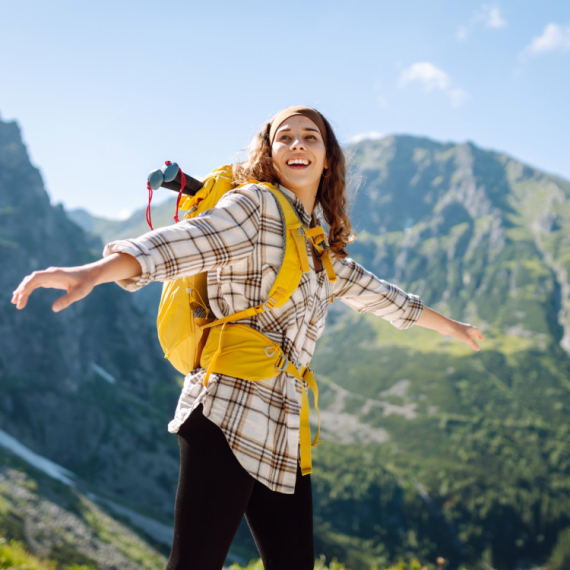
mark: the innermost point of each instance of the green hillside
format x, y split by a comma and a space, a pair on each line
482, 438
64, 527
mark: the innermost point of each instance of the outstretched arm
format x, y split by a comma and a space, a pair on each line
366, 293
77, 281
464, 332
223, 235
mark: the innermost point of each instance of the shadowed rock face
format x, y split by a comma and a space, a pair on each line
51, 397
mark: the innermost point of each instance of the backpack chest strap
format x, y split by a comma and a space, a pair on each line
317, 237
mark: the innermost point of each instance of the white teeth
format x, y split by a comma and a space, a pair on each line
298, 161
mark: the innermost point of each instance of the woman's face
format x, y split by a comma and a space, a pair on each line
299, 154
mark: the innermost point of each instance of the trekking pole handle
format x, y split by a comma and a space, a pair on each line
169, 177
192, 185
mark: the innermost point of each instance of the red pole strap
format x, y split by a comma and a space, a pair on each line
148, 219
182, 185
150, 194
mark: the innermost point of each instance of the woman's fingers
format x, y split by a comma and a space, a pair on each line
51, 278
473, 333
473, 344
468, 334
46, 278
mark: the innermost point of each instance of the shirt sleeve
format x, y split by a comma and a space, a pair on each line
366, 293
220, 236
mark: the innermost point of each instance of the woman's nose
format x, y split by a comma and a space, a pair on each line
297, 143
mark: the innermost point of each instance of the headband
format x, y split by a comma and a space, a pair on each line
312, 114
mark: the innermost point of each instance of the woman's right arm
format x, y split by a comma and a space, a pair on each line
77, 281
221, 236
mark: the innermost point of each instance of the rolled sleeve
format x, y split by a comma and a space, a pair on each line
220, 236
141, 254
364, 292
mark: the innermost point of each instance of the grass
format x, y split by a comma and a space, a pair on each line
14, 555
126, 543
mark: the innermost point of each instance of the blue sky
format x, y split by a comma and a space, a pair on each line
105, 92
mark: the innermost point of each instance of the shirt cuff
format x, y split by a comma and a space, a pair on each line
141, 254
411, 313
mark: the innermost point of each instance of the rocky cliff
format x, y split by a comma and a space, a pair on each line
80, 387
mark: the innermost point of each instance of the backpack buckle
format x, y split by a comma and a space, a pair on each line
268, 353
270, 303
283, 364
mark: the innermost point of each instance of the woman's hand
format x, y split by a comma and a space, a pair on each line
77, 281
464, 332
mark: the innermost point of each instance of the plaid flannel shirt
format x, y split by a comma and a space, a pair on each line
240, 244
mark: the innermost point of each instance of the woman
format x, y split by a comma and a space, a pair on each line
239, 440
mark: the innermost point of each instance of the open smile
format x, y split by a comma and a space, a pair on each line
298, 163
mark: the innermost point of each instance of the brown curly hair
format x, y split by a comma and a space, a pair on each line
331, 196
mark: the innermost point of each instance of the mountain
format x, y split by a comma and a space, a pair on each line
481, 438
135, 225
429, 447
456, 213
80, 387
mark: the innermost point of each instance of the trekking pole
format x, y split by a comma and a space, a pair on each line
170, 176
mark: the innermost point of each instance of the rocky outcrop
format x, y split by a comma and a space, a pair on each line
82, 386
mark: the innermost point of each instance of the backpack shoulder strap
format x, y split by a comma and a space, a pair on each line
295, 262
295, 256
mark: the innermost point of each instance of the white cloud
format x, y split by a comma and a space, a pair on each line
487, 15
372, 135
493, 18
124, 214
458, 97
553, 38
432, 78
427, 74
379, 90
462, 33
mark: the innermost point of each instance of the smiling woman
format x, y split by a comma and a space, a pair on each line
305, 134
243, 438
299, 157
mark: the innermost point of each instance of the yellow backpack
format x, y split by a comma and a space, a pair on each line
191, 337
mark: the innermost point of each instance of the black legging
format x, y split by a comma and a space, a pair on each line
215, 491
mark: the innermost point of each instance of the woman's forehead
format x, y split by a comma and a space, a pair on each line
298, 121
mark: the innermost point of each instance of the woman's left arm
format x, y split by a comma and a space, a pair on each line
367, 293
464, 332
